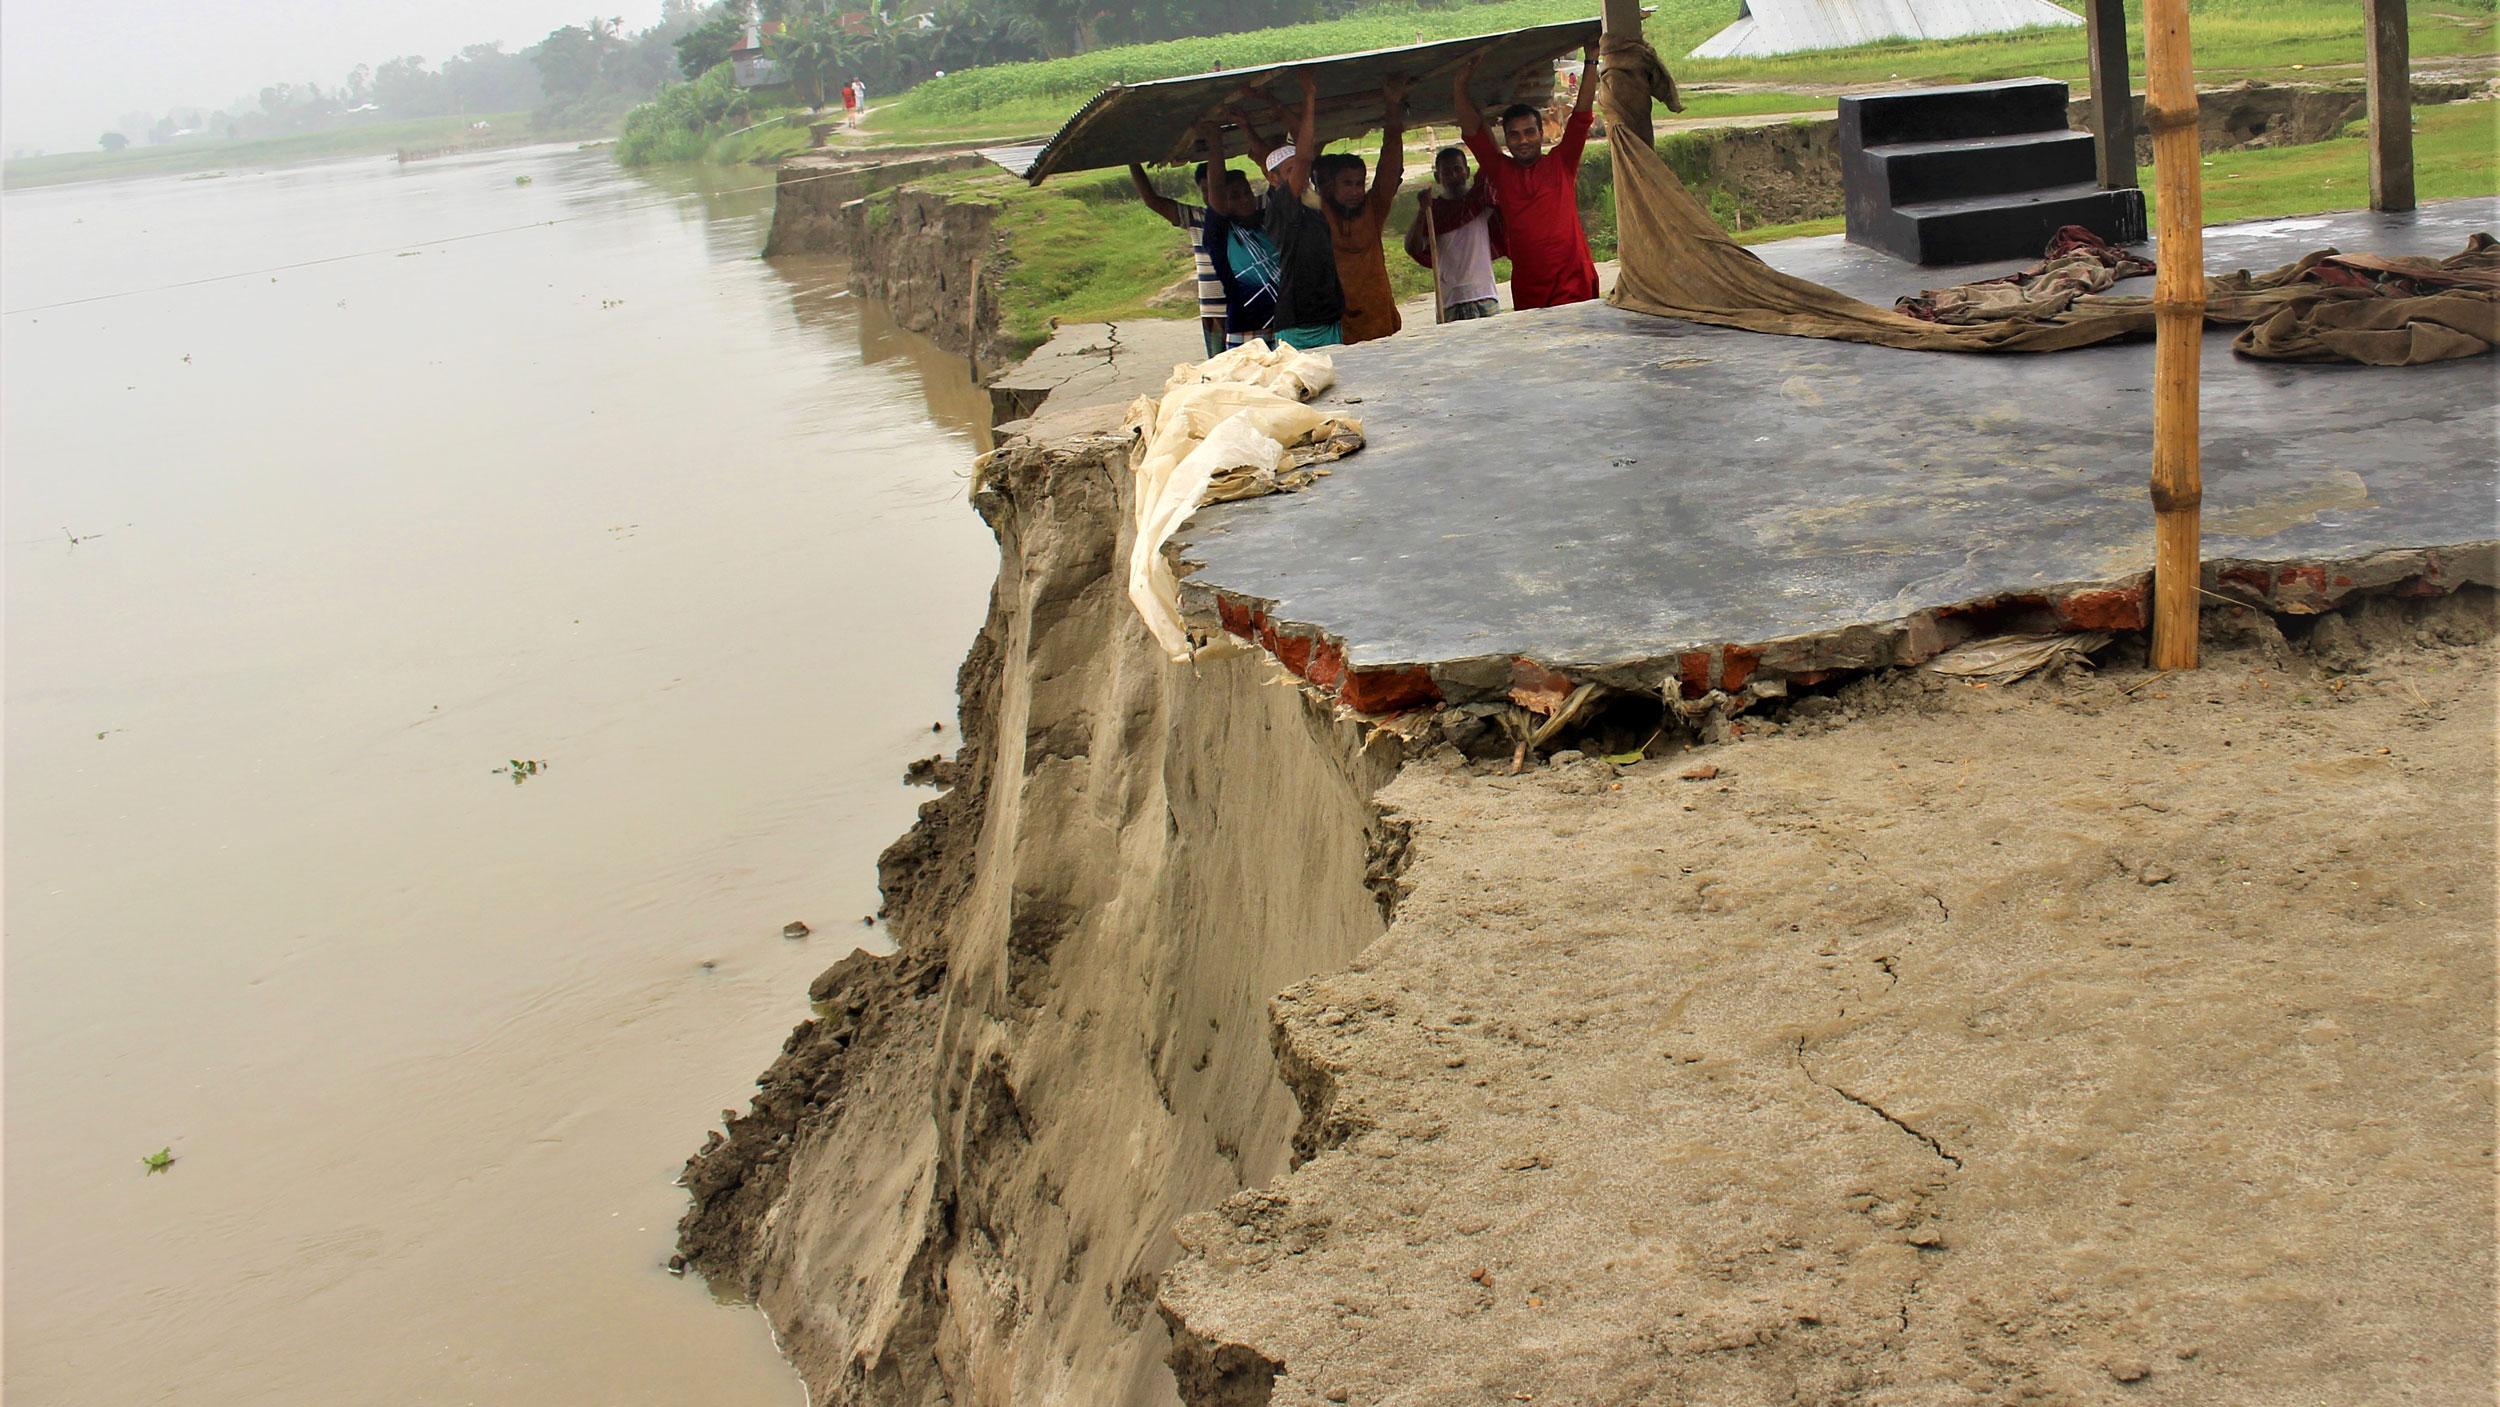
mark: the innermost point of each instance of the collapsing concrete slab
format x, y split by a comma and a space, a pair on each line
1656, 505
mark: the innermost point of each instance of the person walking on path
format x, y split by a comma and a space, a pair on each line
1460, 238
1193, 220
1537, 191
1310, 303
1356, 216
850, 104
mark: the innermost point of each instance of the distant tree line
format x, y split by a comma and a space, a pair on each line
579, 75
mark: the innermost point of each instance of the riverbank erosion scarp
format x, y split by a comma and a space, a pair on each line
958, 1181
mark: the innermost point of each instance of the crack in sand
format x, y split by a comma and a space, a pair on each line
1874, 1108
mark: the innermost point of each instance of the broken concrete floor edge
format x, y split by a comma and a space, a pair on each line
1746, 672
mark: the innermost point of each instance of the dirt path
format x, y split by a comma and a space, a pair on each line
2119, 1039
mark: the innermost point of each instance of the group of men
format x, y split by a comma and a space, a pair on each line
1302, 262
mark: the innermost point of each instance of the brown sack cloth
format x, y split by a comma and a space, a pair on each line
1677, 263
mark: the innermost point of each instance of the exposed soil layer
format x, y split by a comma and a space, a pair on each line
930, 259
958, 1181
2109, 1038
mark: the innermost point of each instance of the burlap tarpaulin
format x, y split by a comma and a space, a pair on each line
1676, 262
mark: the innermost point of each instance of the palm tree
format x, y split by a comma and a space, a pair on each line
811, 50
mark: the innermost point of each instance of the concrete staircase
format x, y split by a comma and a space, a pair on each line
1974, 173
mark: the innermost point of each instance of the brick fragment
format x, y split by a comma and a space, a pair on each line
2119, 609
1736, 665
1327, 664
1388, 690
1239, 619
1693, 671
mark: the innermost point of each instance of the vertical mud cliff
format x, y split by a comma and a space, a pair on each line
957, 1183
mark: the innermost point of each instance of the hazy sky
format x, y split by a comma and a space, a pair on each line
69, 67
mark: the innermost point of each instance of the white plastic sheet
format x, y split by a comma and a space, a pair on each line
1218, 432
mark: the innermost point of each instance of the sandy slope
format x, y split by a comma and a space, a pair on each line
2052, 1043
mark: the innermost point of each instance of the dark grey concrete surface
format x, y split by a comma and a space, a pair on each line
1588, 487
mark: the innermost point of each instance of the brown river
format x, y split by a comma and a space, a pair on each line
331, 493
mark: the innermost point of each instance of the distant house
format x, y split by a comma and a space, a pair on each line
1793, 26
748, 64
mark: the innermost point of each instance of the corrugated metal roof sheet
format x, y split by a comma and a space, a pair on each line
1793, 26
1156, 122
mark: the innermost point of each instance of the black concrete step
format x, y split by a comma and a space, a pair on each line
1909, 173
1975, 229
1961, 111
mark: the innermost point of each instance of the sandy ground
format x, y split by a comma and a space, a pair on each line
2113, 1038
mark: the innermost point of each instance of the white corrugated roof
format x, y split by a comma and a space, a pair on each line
1789, 26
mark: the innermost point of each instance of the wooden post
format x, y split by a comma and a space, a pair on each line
2113, 92
2178, 331
2388, 55
1623, 17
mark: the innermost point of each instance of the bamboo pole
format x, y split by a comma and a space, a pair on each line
2178, 331
1432, 242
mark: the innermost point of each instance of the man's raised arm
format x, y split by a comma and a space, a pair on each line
1157, 202
1470, 117
1296, 173
1391, 168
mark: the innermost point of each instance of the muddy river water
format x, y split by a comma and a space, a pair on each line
513, 457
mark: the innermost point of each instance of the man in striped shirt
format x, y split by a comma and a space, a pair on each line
1192, 219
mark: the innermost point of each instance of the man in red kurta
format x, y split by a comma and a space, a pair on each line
1537, 191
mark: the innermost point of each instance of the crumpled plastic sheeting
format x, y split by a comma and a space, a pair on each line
1230, 428
1299, 374
2006, 658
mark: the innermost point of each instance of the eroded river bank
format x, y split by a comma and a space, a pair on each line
2109, 1037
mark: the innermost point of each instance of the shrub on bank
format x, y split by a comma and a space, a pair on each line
709, 119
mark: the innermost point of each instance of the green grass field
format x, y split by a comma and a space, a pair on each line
2456, 152
369, 139
2233, 38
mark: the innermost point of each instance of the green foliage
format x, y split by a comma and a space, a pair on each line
710, 119
707, 45
811, 54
